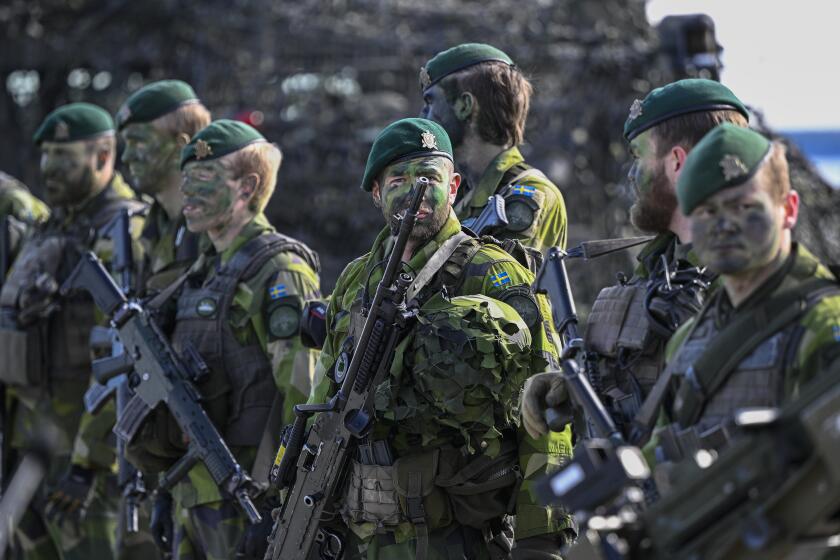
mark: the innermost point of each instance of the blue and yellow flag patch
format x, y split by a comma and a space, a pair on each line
523, 190
277, 291
500, 279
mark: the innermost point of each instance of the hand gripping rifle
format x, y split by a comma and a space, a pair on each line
162, 376
312, 469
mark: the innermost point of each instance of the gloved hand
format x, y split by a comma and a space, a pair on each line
541, 392
254, 542
72, 495
162, 523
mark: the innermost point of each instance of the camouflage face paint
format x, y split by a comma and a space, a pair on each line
738, 230
67, 170
209, 193
151, 155
397, 183
655, 196
437, 108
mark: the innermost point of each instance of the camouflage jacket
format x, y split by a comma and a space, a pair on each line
284, 280
16, 201
535, 206
490, 273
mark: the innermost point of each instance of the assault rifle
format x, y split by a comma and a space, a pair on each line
129, 479
774, 492
492, 216
162, 376
313, 465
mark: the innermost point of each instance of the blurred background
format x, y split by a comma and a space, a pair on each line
322, 77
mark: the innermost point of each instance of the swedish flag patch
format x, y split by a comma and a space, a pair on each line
835, 330
277, 291
523, 190
500, 279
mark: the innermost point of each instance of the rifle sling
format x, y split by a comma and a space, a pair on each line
729, 347
434, 264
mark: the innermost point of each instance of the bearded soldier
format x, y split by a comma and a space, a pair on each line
479, 96
442, 402
238, 308
630, 323
44, 335
776, 322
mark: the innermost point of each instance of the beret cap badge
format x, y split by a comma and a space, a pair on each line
202, 149
425, 79
62, 131
635, 109
428, 140
732, 167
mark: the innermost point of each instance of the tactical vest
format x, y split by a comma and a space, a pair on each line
55, 347
239, 391
742, 364
629, 326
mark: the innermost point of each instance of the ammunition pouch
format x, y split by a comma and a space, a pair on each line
618, 320
372, 496
24, 356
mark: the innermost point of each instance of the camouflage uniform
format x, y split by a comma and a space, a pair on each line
535, 208
57, 399
260, 343
488, 271
631, 323
794, 318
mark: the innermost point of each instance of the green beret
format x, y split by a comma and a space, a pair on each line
155, 100
405, 139
727, 156
678, 98
73, 122
457, 58
220, 138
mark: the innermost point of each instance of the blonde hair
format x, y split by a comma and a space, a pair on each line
775, 172
262, 158
187, 119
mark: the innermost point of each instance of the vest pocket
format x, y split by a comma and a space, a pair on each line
23, 356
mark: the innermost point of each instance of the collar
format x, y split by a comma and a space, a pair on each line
257, 226
384, 243
489, 181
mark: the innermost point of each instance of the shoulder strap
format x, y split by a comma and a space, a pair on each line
434, 264
451, 273
729, 347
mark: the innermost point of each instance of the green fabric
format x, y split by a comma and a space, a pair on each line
17, 201
76, 121
292, 363
155, 100
209, 531
537, 457
405, 139
550, 225
458, 58
218, 139
726, 157
679, 98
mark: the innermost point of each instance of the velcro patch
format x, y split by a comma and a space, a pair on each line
277, 291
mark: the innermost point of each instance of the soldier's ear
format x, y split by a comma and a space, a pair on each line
376, 194
249, 185
454, 183
182, 139
464, 106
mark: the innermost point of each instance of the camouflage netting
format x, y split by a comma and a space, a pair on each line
326, 76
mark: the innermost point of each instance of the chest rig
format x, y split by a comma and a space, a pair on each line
720, 368
630, 324
239, 390
46, 334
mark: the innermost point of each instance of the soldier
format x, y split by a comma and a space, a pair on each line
156, 122
44, 335
630, 323
455, 264
22, 209
239, 308
776, 322
481, 99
